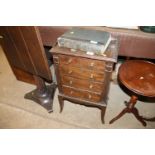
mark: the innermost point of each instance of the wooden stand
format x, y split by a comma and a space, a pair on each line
138, 77
130, 109
101, 106
43, 95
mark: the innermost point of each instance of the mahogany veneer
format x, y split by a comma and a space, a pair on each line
139, 77
82, 78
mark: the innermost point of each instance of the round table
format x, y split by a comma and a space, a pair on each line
139, 77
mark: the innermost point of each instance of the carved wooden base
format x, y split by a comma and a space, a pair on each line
130, 109
43, 98
101, 106
43, 94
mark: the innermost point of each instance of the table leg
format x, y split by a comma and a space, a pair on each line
130, 109
61, 103
119, 115
149, 119
103, 109
136, 114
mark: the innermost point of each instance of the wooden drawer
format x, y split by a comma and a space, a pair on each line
71, 92
82, 84
82, 73
82, 62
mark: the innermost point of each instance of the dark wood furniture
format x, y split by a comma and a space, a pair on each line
139, 77
83, 78
23, 47
24, 50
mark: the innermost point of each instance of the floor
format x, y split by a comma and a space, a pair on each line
16, 112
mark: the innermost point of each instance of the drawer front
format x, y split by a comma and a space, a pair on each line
82, 62
81, 94
81, 73
82, 84
69, 60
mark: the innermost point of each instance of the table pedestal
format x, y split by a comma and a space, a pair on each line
130, 109
43, 95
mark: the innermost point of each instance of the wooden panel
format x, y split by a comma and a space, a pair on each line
82, 73
24, 50
19, 43
23, 76
82, 62
10, 50
69, 60
81, 94
82, 84
35, 47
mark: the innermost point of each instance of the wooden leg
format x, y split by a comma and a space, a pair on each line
40, 83
130, 109
43, 94
61, 102
103, 109
136, 114
132, 102
149, 119
119, 115
129, 105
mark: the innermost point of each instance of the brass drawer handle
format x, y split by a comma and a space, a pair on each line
91, 86
70, 82
92, 64
71, 92
69, 61
89, 96
110, 70
91, 76
1, 37
70, 71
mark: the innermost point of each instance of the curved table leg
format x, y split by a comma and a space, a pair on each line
136, 114
149, 119
131, 109
61, 102
103, 109
119, 115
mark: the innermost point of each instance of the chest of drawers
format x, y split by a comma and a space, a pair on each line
82, 78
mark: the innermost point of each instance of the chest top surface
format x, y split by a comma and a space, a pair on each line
109, 55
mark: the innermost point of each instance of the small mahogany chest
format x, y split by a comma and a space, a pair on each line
83, 78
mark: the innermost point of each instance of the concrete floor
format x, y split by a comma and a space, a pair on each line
16, 112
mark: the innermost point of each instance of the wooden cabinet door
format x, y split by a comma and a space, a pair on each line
24, 50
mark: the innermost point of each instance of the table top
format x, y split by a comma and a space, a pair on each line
138, 76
